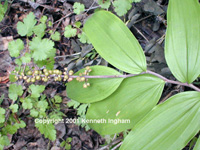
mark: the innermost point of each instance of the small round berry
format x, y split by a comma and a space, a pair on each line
59, 78
88, 84
65, 69
24, 77
71, 72
29, 72
82, 79
28, 80
36, 72
46, 73
66, 77
16, 78
60, 72
87, 68
45, 70
37, 77
57, 71
21, 73
78, 79
32, 79
85, 85
70, 79
45, 79
50, 72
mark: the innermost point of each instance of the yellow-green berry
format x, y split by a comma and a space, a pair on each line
24, 77
78, 79
45, 79
32, 79
70, 79
85, 85
87, 68
45, 70
46, 73
29, 72
37, 77
71, 72
50, 72
88, 84
82, 79
66, 77
36, 72
28, 80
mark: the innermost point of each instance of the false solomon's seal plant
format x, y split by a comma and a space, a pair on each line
134, 96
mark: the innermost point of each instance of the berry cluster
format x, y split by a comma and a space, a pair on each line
57, 75
81, 77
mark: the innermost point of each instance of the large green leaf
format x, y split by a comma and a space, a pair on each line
114, 42
99, 89
169, 126
197, 145
135, 97
182, 46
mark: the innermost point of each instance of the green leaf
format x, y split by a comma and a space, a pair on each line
73, 103
34, 113
78, 24
36, 90
197, 145
182, 43
14, 47
26, 58
41, 48
55, 36
83, 38
12, 78
39, 30
122, 6
62, 144
2, 12
114, 42
27, 103
58, 99
18, 62
4, 141
47, 129
14, 108
99, 89
82, 109
69, 31
104, 3
49, 62
43, 19
2, 115
134, 98
15, 91
26, 27
42, 105
67, 146
170, 125
12, 129
78, 8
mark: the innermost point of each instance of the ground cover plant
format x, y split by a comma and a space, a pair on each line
123, 98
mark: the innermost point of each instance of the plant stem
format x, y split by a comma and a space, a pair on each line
147, 72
